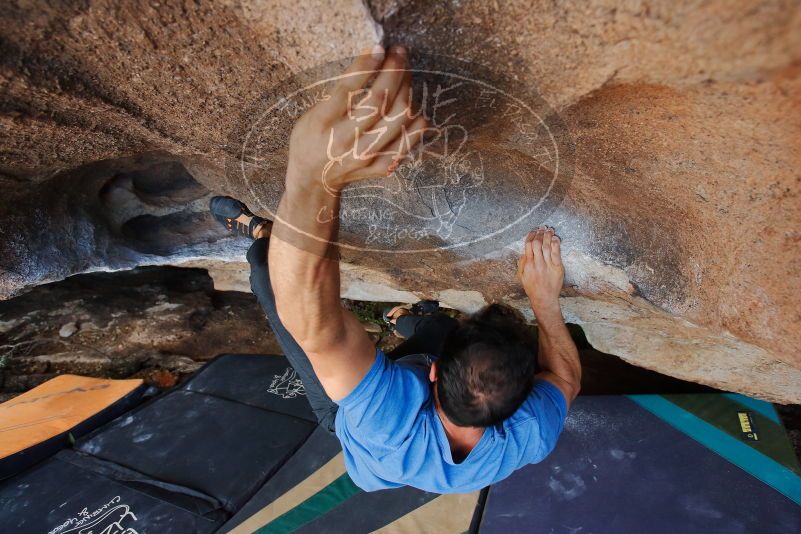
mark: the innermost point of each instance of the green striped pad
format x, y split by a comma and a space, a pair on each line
765, 408
676, 411
721, 412
319, 504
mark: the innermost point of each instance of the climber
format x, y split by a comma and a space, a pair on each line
460, 404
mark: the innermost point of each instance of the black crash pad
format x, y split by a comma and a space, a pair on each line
60, 497
217, 445
267, 382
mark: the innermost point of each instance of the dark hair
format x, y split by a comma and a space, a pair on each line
487, 366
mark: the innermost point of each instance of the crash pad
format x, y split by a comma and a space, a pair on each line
236, 449
312, 493
184, 461
266, 382
39, 422
223, 443
654, 463
60, 496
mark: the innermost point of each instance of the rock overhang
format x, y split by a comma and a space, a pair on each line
680, 223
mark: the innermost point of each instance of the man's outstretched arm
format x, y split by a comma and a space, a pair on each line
541, 272
359, 133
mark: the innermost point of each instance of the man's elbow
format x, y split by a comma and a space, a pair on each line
312, 335
575, 383
575, 389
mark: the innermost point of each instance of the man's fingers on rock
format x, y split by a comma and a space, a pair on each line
536, 245
382, 93
393, 149
546, 244
386, 159
409, 136
556, 250
399, 148
390, 126
527, 245
530, 236
380, 166
354, 78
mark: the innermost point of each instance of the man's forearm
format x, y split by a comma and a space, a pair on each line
304, 265
557, 351
332, 145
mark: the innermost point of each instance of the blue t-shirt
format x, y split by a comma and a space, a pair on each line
392, 436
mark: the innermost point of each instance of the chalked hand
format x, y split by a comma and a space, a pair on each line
363, 130
540, 270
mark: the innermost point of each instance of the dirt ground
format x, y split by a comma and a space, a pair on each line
162, 324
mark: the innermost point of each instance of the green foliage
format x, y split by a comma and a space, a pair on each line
368, 312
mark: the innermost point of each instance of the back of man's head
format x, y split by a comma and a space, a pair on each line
487, 366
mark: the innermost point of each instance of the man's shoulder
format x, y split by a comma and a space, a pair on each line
387, 400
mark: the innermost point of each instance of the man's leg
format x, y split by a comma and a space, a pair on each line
324, 408
424, 334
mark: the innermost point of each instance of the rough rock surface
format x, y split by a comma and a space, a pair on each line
159, 324
681, 222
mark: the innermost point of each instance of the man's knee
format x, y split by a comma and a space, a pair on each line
257, 253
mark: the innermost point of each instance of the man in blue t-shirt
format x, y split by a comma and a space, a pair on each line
458, 406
